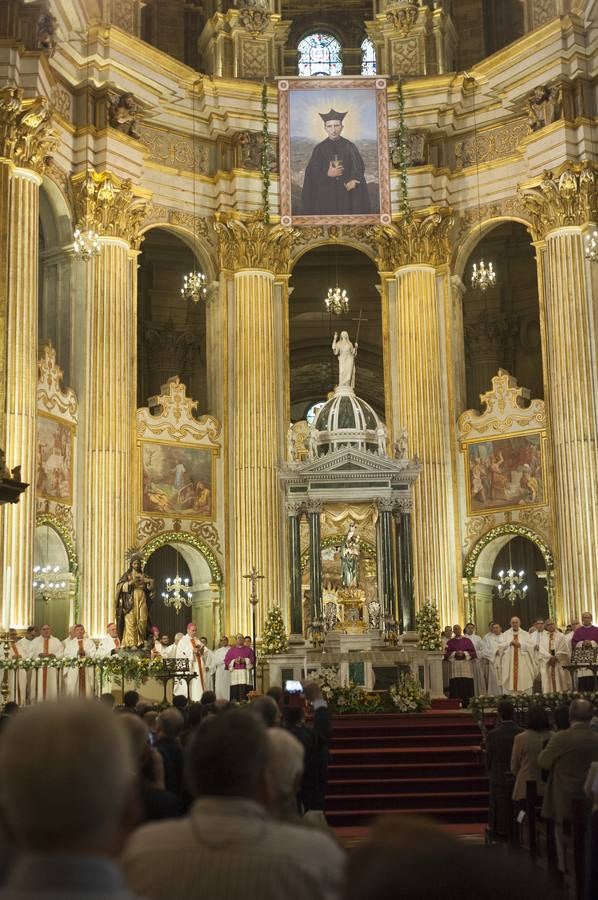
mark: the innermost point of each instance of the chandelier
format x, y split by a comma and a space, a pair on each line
194, 286
86, 243
47, 580
511, 584
481, 277
177, 593
592, 246
337, 301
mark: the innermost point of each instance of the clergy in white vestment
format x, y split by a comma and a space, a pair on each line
537, 634
79, 680
47, 679
491, 654
554, 654
195, 650
164, 648
108, 646
518, 664
479, 664
24, 648
219, 670
17, 678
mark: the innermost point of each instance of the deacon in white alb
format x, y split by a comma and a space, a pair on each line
78, 681
45, 686
195, 650
518, 664
554, 654
220, 672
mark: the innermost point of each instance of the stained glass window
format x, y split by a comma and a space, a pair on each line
320, 54
313, 411
368, 57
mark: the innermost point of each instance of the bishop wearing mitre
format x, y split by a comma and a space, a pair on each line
78, 680
46, 647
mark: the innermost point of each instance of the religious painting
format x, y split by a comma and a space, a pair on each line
334, 165
54, 459
505, 473
177, 480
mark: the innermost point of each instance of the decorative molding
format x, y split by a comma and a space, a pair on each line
252, 244
123, 113
544, 106
402, 14
175, 150
496, 144
416, 149
148, 528
208, 532
359, 236
508, 529
62, 101
254, 58
108, 205
254, 16
422, 240
249, 151
169, 417
561, 199
51, 396
61, 520
537, 518
505, 411
26, 136
406, 56
476, 526
183, 537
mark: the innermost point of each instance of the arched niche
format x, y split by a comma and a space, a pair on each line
313, 369
528, 552
171, 330
53, 548
501, 326
161, 556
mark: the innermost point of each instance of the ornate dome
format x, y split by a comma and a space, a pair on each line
348, 421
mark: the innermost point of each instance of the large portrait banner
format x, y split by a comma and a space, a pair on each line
334, 165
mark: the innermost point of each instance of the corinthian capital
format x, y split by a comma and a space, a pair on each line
567, 198
108, 205
421, 240
26, 137
252, 244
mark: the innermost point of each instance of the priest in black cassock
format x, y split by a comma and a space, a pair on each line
334, 182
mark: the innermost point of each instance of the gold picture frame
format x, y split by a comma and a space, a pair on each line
177, 480
54, 458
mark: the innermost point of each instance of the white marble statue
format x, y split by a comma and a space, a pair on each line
381, 436
400, 446
291, 449
313, 442
346, 352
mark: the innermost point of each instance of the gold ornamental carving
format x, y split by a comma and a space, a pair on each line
562, 199
106, 204
507, 410
253, 244
26, 136
403, 14
423, 240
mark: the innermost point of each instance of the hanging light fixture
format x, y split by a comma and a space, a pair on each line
178, 590
482, 276
511, 585
86, 240
592, 246
194, 283
337, 299
48, 580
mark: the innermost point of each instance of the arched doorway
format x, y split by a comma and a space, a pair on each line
162, 556
55, 579
527, 552
313, 368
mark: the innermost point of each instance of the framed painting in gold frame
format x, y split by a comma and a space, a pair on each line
177, 480
333, 146
505, 473
54, 459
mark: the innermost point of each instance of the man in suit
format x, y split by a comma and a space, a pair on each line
567, 758
499, 748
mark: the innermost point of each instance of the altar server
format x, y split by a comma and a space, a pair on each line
79, 681
46, 683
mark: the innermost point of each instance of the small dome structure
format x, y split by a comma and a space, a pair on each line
348, 421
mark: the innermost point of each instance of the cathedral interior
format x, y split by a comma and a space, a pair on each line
168, 385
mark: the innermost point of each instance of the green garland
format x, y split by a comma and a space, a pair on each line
265, 156
485, 704
129, 668
403, 154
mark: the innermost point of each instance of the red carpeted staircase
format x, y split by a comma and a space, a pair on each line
427, 763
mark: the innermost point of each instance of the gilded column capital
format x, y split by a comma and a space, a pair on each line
109, 205
565, 198
421, 240
26, 136
253, 244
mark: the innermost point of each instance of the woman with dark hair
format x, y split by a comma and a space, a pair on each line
526, 748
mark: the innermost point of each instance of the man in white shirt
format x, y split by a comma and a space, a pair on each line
79, 680
196, 651
491, 653
46, 647
220, 672
518, 665
554, 654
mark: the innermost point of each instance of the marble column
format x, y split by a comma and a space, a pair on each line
386, 557
406, 616
110, 207
562, 207
417, 252
254, 252
314, 508
295, 511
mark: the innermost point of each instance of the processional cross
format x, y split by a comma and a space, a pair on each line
253, 577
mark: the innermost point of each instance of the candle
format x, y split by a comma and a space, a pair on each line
7, 598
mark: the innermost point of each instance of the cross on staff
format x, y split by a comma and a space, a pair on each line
359, 321
253, 577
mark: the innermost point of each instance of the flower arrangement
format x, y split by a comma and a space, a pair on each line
486, 703
427, 623
408, 695
130, 668
327, 678
274, 638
